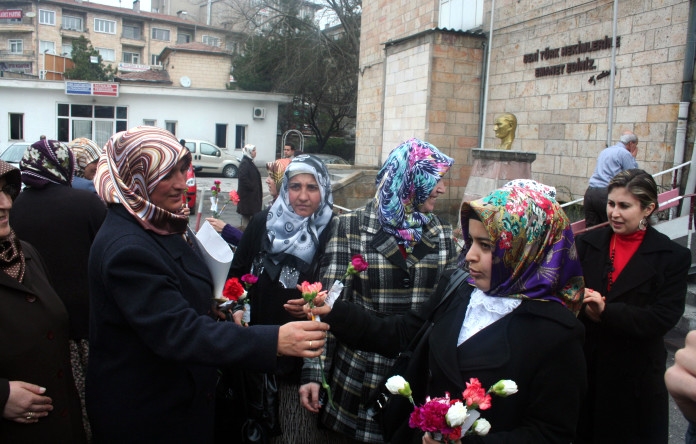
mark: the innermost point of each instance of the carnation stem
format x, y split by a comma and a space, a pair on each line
324, 384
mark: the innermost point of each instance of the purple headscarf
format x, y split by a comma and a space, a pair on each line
534, 255
47, 161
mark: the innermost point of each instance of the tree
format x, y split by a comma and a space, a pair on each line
82, 53
288, 53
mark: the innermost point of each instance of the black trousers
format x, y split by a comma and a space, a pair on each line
595, 206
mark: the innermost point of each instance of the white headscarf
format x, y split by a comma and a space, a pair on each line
248, 148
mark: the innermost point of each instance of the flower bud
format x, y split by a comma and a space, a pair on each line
482, 427
397, 385
504, 388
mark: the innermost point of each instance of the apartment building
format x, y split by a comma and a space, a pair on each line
129, 39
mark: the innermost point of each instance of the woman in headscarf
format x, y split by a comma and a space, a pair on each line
513, 318
38, 399
86, 154
408, 248
154, 346
249, 186
282, 247
61, 222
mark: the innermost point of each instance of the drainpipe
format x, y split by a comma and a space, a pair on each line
486, 78
612, 76
687, 91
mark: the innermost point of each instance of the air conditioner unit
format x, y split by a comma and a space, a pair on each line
259, 113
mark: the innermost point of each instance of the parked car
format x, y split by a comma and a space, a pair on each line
14, 153
191, 189
331, 159
212, 159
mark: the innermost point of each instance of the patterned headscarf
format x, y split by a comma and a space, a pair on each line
47, 161
408, 176
11, 255
85, 151
534, 255
129, 169
292, 234
276, 170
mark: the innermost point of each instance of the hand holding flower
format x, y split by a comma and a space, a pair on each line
309, 293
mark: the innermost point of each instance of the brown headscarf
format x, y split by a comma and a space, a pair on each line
85, 151
276, 170
11, 255
129, 169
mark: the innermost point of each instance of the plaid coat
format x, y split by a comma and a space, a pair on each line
391, 285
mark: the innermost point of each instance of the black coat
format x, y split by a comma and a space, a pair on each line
153, 346
627, 398
61, 222
34, 349
249, 188
538, 345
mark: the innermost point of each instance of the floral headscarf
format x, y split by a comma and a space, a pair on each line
85, 151
129, 169
408, 176
47, 161
534, 255
276, 170
289, 233
12, 259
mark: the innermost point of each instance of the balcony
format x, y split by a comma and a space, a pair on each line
72, 32
26, 26
17, 56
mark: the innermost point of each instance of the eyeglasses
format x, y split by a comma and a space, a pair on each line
11, 190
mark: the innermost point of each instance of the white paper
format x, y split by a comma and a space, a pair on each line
334, 293
213, 205
217, 255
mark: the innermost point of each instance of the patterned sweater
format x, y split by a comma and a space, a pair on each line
391, 285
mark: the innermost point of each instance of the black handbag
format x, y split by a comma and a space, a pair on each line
246, 407
392, 411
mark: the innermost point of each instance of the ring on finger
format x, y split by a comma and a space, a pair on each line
310, 344
30, 415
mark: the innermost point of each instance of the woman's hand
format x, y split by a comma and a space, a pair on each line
294, 307
216, 223
304, 339
26, 403
309, 397
427, 439
594, 304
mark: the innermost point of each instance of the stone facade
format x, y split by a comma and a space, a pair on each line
418, 80
205, 68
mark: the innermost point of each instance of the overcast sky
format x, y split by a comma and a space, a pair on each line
144, 4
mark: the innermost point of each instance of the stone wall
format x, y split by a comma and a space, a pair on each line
562, 117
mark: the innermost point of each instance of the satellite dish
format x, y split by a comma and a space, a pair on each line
185, 81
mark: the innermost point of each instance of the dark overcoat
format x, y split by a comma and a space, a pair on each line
154, 347
249, 188
538, 345
627, 397
34, 349
61, 222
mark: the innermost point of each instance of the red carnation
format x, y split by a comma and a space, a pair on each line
233, 289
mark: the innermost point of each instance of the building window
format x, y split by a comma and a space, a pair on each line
72, 23
210, 40
183, 38
47, 47
460, 15
170, 126
131, 31
107, 55
149, 122
16, 46
47, 17
96, 122
67, 50
160, 34
240, 136
221, 135
154, 60
131, 57
16, 126
104, 26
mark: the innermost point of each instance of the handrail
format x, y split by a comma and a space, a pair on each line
576, 201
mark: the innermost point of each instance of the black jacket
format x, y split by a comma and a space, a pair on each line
538, 345
625, 352
249, 188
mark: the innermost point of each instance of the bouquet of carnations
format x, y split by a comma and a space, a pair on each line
447, 419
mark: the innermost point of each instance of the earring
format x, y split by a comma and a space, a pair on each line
643, 224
